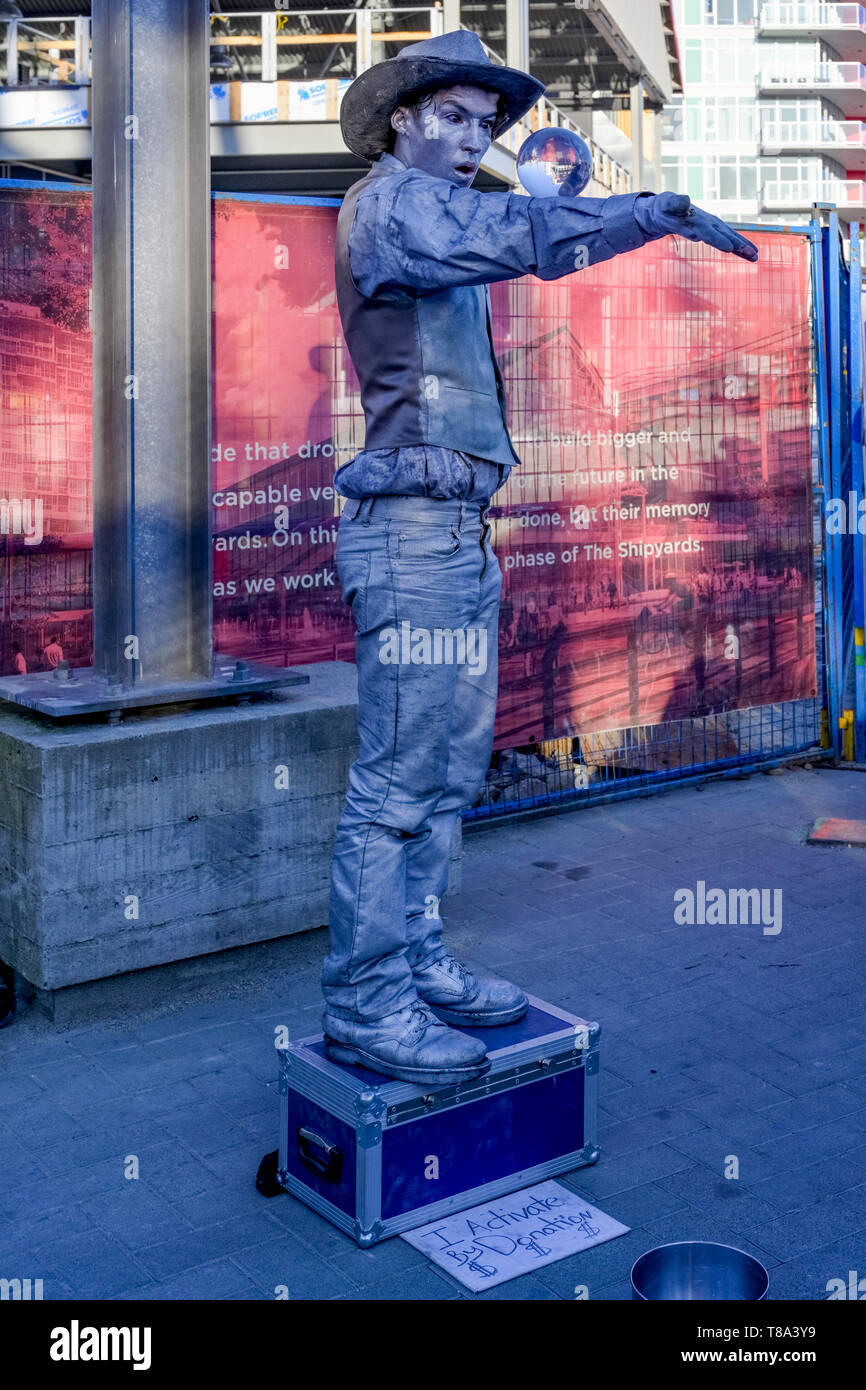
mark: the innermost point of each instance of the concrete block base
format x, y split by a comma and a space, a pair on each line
252, 974
171, 835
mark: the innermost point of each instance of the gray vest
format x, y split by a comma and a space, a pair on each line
426, 364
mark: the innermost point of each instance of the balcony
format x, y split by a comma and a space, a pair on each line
844, 141
798, 195
842, 26
842, 83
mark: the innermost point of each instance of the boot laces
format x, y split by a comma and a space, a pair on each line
456, 969
420, 1018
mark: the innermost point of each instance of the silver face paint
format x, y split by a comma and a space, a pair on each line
449, 134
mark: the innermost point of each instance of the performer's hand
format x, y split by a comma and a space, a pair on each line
658, 214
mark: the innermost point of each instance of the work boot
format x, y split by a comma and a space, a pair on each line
471, 1001
411, 1045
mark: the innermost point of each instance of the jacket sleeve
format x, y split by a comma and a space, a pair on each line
416, 234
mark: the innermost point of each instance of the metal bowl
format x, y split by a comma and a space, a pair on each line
698, 1269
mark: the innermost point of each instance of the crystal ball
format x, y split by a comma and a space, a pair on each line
553, 161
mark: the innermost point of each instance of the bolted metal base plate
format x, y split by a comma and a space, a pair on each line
71, 691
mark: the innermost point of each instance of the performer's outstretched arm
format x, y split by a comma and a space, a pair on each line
420, 234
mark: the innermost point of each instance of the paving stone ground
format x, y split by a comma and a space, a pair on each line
718, 1042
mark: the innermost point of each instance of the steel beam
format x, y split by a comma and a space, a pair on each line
152, 343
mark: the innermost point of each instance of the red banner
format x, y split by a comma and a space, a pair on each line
656, 540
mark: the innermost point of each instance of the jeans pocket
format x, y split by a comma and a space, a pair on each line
423, 542
354, 573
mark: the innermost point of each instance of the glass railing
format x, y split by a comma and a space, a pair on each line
805, 14
851, 192
816, 75
781, 193
814, 133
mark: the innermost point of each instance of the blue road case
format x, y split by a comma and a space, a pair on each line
378, 1157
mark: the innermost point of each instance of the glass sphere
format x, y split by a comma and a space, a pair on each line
553, 161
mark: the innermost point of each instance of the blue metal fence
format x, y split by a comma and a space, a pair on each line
837, 279
634, 761
855, 335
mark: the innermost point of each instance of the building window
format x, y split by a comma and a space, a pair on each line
792, 59
715, 11
727, 177
727, 61
748, 120
748, 179
672, 120
672, 179
695, 120
712, 178
695, 177
693, 67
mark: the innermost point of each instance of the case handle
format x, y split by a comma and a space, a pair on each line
318, 1156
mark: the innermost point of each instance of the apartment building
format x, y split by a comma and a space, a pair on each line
772, 117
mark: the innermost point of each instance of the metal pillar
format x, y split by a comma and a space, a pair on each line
152, 344
82, 51
637, 135
364, 44
11, 52
657, 150
269, 47
517, 34
451, 15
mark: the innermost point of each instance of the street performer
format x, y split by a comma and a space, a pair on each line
416, 248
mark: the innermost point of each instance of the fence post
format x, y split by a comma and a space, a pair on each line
837, 647
826, 289
855, 374
819, 328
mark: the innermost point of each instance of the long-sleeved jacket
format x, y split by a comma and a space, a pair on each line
414, 257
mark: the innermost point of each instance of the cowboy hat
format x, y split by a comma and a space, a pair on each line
446, 60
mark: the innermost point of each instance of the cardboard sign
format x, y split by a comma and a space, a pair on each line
500, 1240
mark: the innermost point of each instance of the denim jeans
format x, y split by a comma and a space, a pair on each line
409, 566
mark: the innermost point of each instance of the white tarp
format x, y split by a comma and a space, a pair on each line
43, 106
